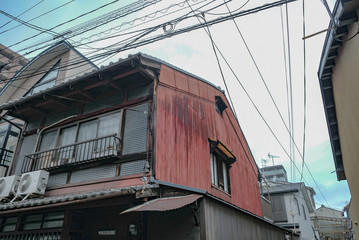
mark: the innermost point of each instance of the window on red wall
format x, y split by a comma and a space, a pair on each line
220, 105
221, 159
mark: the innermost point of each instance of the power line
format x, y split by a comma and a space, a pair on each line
186, 29
71, 20
94, 23
304, 89
27, 24
37, 16
208, 32
292, 153
21, 13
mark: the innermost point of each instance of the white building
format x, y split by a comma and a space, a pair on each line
292, 205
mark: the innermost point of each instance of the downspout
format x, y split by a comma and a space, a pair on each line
51, 125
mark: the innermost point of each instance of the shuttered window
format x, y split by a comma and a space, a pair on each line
135, 133
279, 209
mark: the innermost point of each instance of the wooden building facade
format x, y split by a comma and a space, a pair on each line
136, 150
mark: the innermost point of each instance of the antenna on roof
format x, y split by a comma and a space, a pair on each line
264, 162
272, 157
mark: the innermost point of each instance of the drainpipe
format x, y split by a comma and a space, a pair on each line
60, 121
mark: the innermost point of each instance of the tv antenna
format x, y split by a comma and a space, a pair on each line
272, 157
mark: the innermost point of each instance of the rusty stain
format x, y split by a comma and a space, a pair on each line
183, 124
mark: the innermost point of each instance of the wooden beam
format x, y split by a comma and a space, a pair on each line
125, 74
99, 83
114, 85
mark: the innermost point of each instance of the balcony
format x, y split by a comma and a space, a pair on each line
74, 154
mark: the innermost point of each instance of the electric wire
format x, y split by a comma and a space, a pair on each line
38, 16
239, 8
66, 22
292, 139
94, 23
290, 92
153, 39
215, 21
21, 14
208, 32
32, 26
304, 91
286, 75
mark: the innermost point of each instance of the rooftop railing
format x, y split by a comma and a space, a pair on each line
73, 154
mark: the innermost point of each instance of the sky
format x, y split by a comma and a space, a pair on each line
264, 33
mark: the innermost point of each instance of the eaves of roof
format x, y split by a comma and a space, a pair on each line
144, 59
67, 199
344, 13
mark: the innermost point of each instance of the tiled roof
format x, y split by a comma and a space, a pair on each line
70, 198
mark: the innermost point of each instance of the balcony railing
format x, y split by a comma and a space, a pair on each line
76, 153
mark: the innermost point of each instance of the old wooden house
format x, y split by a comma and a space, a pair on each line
138, 149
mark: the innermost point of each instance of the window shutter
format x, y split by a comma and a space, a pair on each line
279, 209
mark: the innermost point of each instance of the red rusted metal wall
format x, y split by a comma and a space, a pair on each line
186, 117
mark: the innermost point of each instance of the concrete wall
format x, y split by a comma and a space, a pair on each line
345, 89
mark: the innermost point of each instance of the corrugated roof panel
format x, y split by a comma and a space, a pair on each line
165, 204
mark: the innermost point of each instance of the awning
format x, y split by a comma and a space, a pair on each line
222, 148
165, 204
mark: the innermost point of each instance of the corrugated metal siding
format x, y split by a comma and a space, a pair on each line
94, 173
27, 147
185, 119
135, 133
219, 221
133, 167
57, 179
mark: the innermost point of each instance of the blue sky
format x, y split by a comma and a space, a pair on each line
193, 52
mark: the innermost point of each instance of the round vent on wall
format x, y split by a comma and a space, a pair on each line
2, 185
25, 183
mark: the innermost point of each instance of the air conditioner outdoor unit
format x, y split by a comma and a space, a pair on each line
33, 183
8, 185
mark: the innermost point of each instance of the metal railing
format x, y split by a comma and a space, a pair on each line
98, 148
49, 235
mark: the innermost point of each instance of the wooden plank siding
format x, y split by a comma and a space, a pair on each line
185, 118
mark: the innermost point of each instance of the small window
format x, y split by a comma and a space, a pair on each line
220, 105
43, 221
305, 214
220, 173
46, 81
8, 224
220, 159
